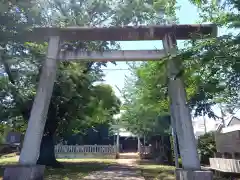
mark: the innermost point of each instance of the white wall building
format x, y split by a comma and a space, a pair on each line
211, 124
199, 127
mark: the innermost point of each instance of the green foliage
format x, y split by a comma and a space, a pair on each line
143, 111
144, 103
206, 147
172, 147
3, 130
218, 58
16, 17
210, 71
180, 162
77, 103
146, 94
221, 12
211, 67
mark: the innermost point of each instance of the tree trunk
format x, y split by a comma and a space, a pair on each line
117, 144
47, 153
139, 144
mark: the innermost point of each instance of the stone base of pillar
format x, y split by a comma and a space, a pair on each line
182, 174
21, 172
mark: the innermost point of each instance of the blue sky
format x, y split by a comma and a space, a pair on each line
187, 15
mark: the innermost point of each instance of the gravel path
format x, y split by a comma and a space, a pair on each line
123, 171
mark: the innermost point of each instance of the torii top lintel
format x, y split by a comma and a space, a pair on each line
126, 33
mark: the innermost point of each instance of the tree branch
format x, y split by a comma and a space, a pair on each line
16, 95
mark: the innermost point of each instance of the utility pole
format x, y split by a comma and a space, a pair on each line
205, 125
222, 116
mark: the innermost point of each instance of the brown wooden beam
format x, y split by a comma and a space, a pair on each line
127, 33
129, 55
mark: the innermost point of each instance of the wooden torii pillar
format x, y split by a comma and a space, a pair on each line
168, 33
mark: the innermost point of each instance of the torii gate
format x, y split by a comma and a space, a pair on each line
179, 109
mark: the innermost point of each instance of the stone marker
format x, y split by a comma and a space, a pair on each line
182, 174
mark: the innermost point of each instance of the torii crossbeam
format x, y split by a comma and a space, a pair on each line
125, 33
167, 33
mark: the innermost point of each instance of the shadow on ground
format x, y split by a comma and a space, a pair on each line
71, 170
117, 172
151, 170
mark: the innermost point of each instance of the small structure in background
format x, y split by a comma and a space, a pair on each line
228, 140
159, 149
14, 138
227, 158
12, 143
128, 142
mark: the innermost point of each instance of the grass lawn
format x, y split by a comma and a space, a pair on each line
78, 168
73, 168
152, 171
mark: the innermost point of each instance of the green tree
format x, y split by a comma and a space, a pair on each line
210, 69
16, 17
142, 109
219, 57
73, 99
76, 105
206, 147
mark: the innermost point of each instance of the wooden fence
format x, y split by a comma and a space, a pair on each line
225, 165
85, 151
145, 150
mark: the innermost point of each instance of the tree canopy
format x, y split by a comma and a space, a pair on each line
77, 102
210, 70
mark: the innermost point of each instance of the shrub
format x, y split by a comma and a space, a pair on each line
180, 162
206, 147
